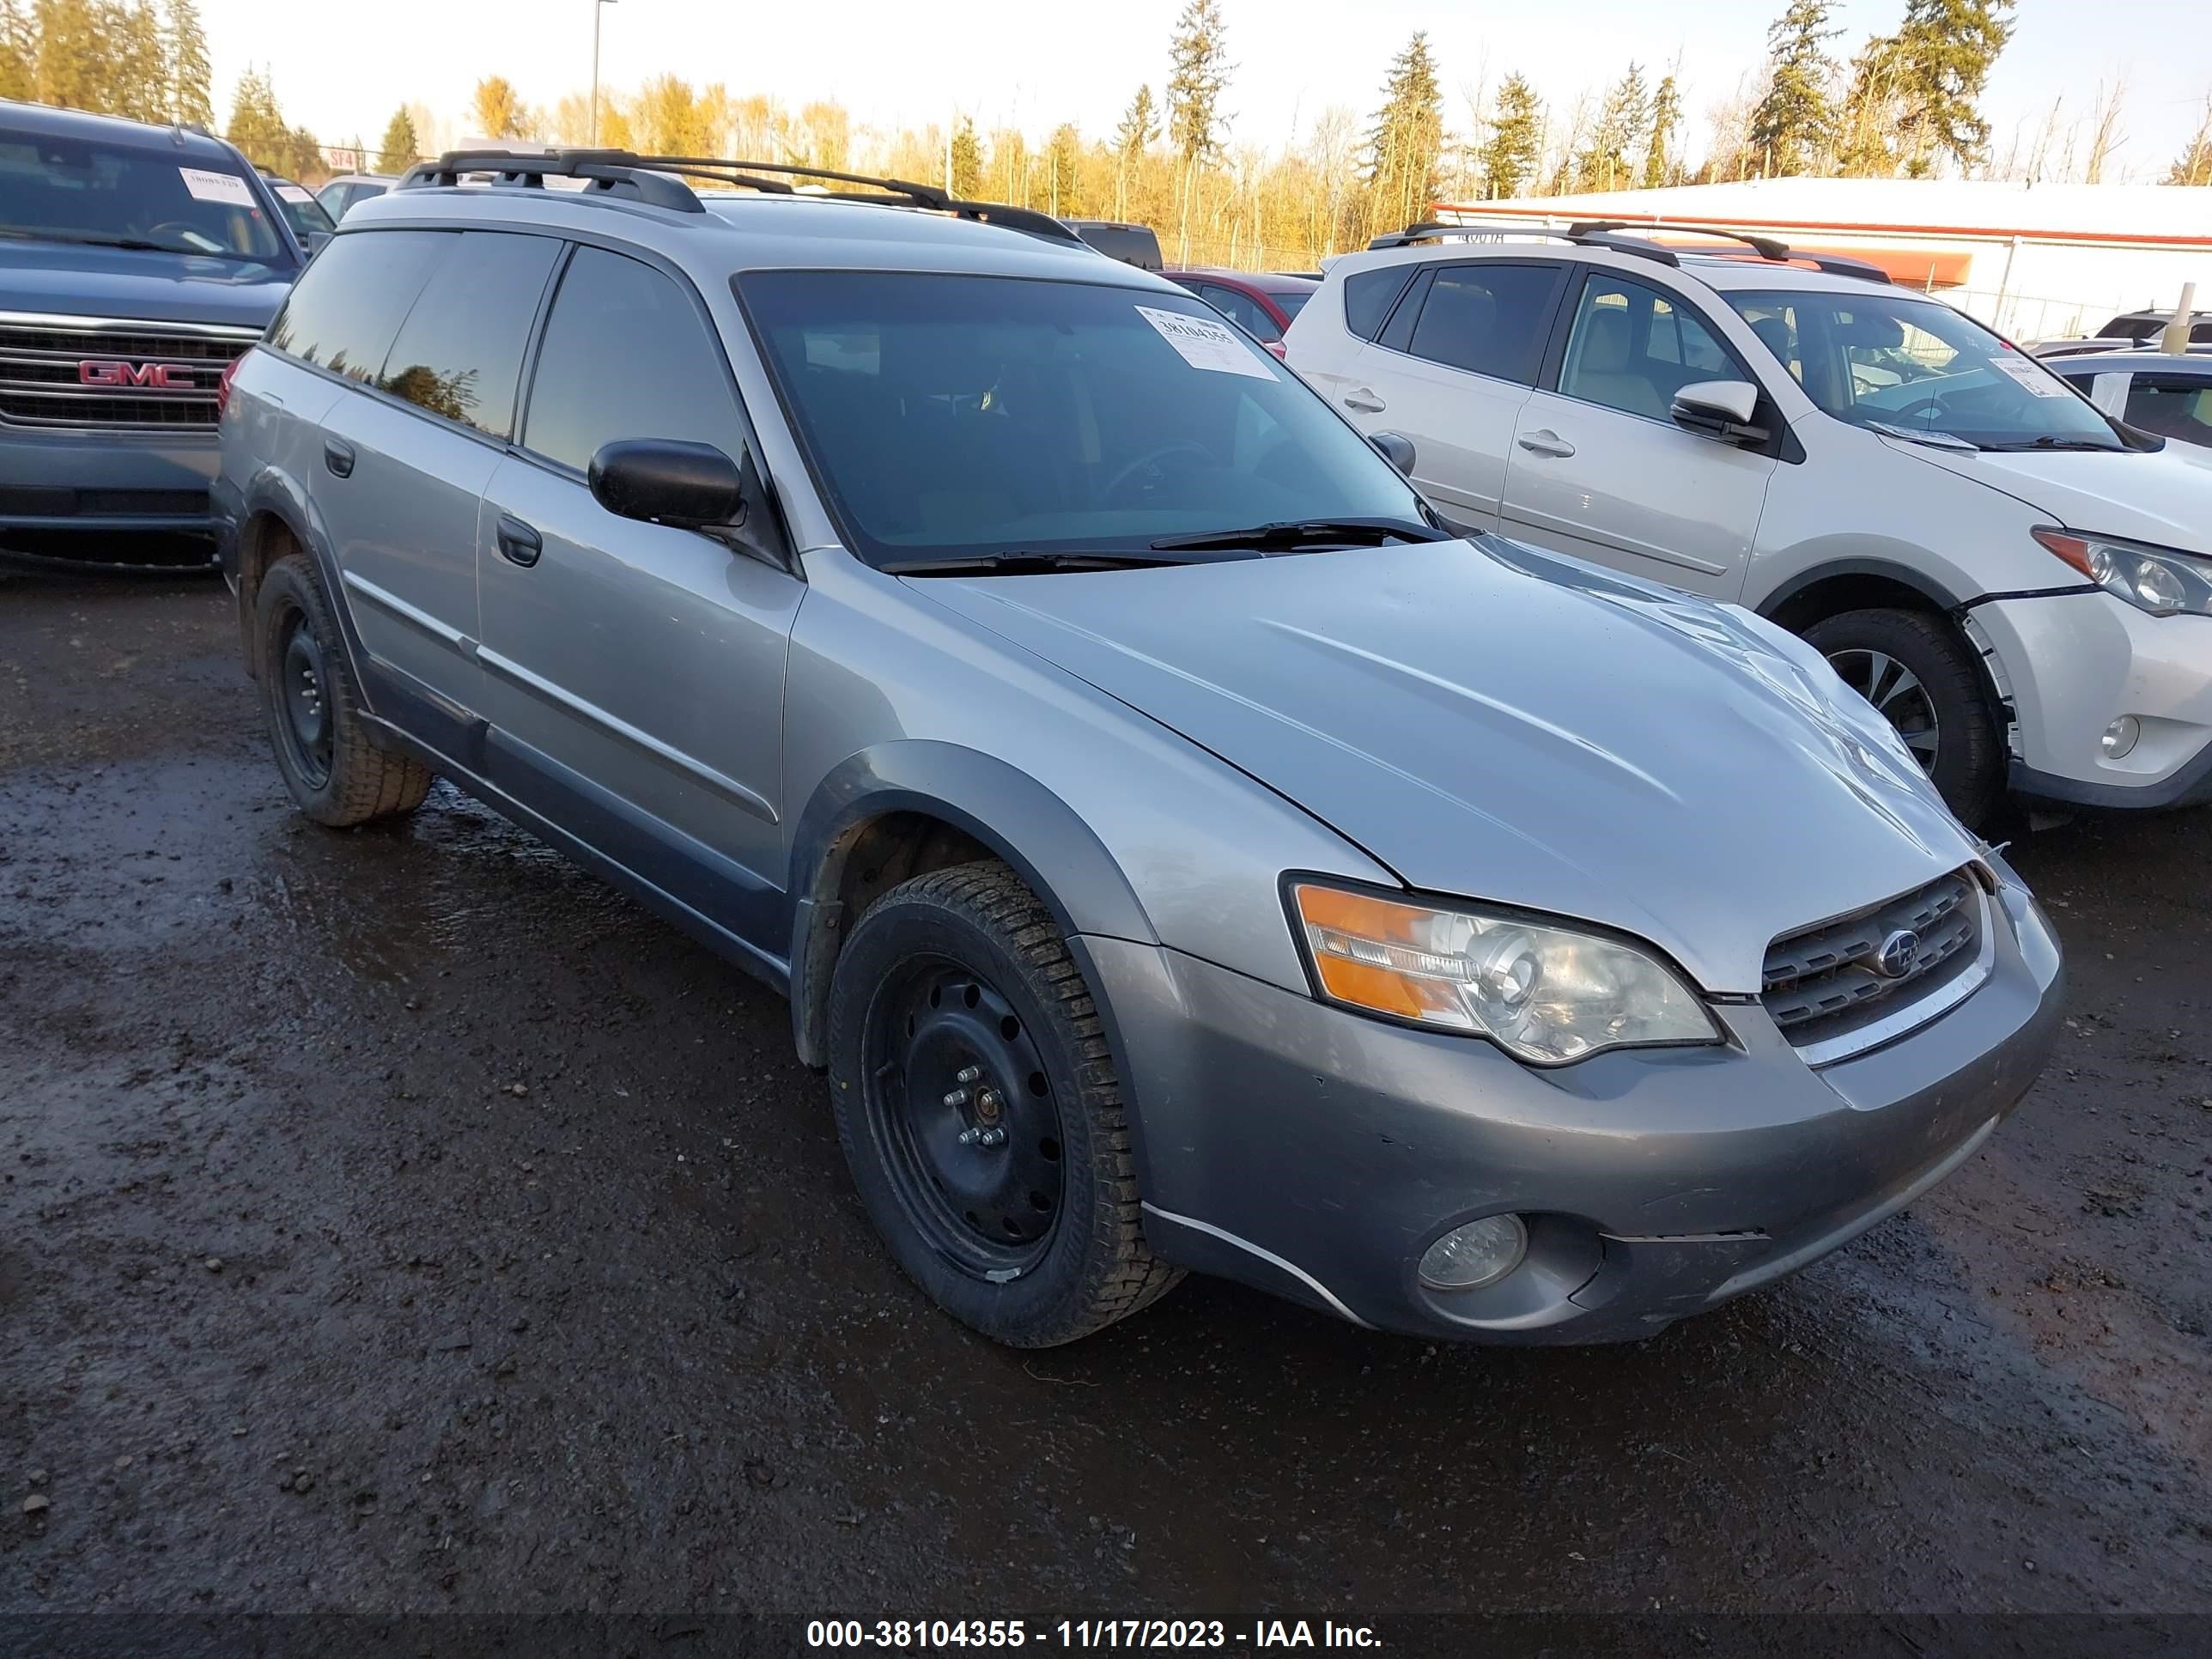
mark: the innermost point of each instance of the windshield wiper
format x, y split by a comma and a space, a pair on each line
1927, 435
2052, 443
135, 244
1312, 533
1018, 564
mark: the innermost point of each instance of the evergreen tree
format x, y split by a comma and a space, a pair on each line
2194, 165
1660, 166
1945, 51
1792, 128
191, 96
1199, 53
1063, 170
258, 127
1140, 127
76, 66
1622, 122
1867, 142
19, 52
140, 88
967, 159
1516, 147
1405, 140
401, 144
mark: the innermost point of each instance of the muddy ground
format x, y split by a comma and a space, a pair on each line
401, 1221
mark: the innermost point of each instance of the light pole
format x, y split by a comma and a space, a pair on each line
596, 5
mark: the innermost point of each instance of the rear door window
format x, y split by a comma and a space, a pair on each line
459, 355
627, 355
1241, 309
346, 307
1488, 319
2172, 407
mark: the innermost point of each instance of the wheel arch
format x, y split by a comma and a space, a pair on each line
1856, 584
898, 809
277, 520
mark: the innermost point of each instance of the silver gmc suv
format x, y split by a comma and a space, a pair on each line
1179, 849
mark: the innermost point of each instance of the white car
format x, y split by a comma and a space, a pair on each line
2023, 586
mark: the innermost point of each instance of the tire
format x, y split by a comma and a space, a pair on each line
959, 982
1918, 672
336, 775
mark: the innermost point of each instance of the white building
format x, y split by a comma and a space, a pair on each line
2034, 261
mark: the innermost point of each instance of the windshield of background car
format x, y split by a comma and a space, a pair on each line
302, 211
955, 415
1292, 301
1879, 360
69, 190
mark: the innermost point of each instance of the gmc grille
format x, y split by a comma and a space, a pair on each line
1825, 982
136, 376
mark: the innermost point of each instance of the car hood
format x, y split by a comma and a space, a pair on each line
2163, 497
172, 288
1497, 723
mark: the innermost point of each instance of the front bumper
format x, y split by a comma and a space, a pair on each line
2077, 662
1317, 1153
82, 496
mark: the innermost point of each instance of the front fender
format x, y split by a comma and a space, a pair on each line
1044, 840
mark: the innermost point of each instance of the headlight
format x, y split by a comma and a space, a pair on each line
2154, 579
1546, 994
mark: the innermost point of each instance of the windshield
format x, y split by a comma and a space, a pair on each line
953, 415
1895, 363
69, 190
306, 216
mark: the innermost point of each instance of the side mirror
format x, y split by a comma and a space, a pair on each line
686, 486
1720, 409
1395, 447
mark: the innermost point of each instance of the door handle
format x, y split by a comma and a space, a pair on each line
338, 457
1364, 400
518, 543
1546, 443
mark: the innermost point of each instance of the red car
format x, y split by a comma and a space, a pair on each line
1260, 302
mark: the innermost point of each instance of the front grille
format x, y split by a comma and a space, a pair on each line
1826, 981
44, 380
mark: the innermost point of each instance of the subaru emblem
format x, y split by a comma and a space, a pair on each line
1899, 952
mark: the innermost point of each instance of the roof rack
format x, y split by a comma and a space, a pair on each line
1582, 235
1766, 247
648, 178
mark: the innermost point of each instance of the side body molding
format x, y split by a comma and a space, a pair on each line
1002, 808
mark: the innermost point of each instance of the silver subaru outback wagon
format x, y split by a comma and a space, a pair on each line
1179, 850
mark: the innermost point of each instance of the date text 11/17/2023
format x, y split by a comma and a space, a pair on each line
912, 1634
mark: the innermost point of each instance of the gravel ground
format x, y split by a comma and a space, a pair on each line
401, 1222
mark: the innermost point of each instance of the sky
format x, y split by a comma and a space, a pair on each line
342, 70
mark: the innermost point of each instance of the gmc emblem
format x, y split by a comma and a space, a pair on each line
161, 377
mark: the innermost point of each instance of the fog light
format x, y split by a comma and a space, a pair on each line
2120, 737
1481, 1252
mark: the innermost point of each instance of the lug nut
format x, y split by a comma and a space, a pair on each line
957, 1097
970, 1075
992, 1137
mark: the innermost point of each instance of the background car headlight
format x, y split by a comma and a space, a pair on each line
2158, 579
1545, 993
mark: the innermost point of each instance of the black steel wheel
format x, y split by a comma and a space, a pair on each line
979, 1109
961, 1099
336, 773
309, 728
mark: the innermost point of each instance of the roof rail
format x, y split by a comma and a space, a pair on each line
1767, 247
1581, 236
647, 179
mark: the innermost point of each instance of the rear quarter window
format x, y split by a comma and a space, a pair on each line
346, 308
1368, 296
458, 355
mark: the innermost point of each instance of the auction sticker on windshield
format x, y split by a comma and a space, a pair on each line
1204, 343
2039, 382
206, 186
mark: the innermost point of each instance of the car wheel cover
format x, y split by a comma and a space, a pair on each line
1896, 694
